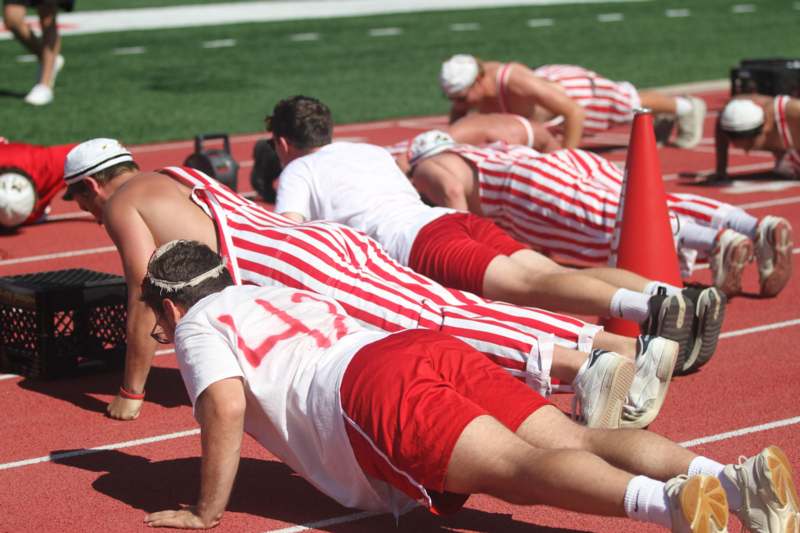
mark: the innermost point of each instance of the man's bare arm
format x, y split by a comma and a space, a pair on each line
527, 86
135, 244
220, 411
296, 217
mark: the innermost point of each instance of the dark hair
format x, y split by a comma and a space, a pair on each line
103, 176
303, 121
746, 134
184, 261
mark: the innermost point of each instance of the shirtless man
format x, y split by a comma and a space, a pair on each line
566, 203
30, 177
480, 129
360, 185
584, 99
759, 122
144, 210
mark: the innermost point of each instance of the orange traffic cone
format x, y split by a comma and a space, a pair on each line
643, 241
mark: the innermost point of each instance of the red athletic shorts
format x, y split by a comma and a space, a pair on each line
408, 397
456, 250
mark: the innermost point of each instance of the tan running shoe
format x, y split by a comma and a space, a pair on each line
769, 496
697, 504
774, 254
690, 125
732, 251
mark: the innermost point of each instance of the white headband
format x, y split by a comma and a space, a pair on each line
175, 286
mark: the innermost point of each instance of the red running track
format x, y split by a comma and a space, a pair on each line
56, 480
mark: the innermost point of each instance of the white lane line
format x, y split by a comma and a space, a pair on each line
677, 13
220, 43
4, 377
128, 51
385, 32
758, 329
88, 451
610, 17
740, 432
743, 8
771, 203
325, 523
465, 26
540, 23
59, 255
738, 168
27, 58
301, 37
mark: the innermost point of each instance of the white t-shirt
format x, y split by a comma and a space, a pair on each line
361, 186
291, 348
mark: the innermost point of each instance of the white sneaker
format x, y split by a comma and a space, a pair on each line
601, 387
40, 95
774, 254
671, 317
697, 504
769, 496
690, 125
732, 251
655, 361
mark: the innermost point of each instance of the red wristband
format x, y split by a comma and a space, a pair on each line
129, 395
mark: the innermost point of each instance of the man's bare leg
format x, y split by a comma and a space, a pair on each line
14, 20
50, 44
488, 458
632, 450
658, 102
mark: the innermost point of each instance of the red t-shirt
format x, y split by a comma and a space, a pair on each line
45, 166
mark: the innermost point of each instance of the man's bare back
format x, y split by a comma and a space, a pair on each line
447, 179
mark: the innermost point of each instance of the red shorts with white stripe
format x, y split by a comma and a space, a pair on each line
408, 397
456, 250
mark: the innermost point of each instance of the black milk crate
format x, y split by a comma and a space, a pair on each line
53, 323
766, 76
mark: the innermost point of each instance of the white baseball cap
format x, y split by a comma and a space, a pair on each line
91, 157
17, 198
429, 144
741, 115
458, 73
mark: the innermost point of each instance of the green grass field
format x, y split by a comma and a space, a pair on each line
95, 5
178, 88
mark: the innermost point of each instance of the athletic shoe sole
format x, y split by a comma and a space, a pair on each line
674, 323
776, 280
784, 491
613, 391
710, 313
740, 255
664, 371
704, 505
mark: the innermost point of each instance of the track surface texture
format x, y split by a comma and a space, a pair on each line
56, 479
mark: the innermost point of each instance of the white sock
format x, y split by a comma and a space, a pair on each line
697, 237
683, 106
629, 305
741, 221
709, 467
651, 289
646, 501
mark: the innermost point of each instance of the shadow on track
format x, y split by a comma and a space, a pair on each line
264, 488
